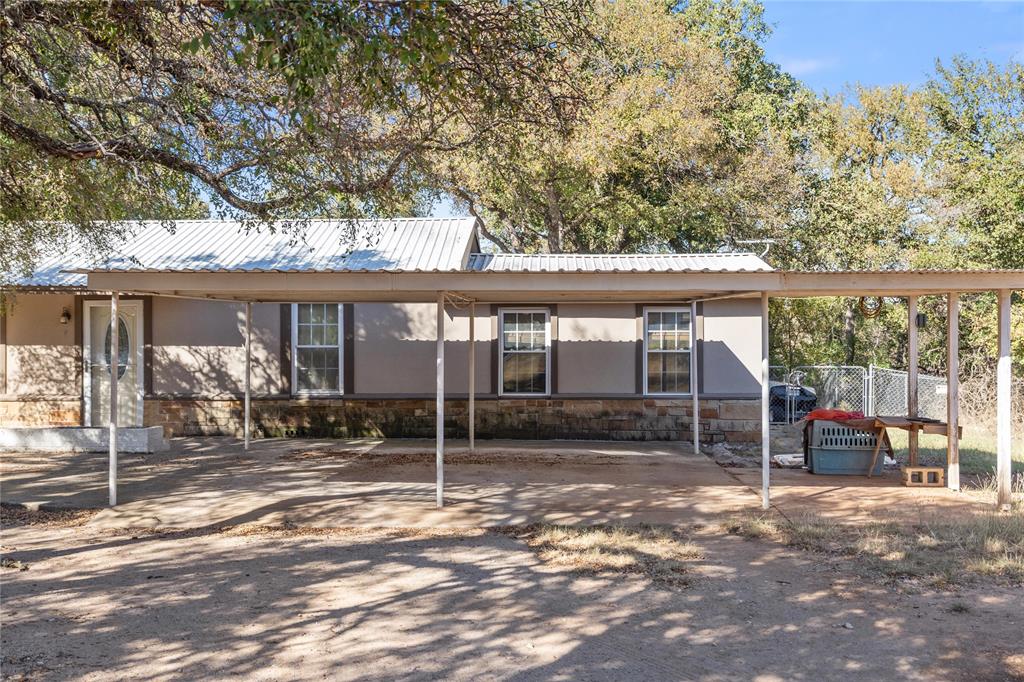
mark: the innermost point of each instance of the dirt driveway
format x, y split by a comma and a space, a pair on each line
331, 594
468, 604
209, 482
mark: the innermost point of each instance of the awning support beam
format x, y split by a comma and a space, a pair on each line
115, 353
1004, 376
248, 375
472, 376
953, 391
765, 412
913, 402
694, 374
440, 400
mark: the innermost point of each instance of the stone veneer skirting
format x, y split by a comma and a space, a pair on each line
568, 418
41, 412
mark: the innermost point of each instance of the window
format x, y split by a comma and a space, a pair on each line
316, 343
123, 352
667, 351
525, 351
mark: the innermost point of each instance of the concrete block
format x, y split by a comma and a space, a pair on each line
82, 439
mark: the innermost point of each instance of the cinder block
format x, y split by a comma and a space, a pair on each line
924, 477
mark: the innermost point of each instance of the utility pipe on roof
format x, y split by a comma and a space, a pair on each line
725, 297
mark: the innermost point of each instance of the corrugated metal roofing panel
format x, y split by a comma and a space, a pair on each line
404, 245
588, 262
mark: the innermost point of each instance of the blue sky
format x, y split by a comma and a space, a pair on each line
830, 44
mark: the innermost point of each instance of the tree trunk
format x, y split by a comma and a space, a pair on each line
849, 335
553, 219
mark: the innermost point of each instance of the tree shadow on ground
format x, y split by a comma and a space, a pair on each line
435, 604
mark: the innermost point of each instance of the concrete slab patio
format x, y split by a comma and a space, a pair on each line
204, 482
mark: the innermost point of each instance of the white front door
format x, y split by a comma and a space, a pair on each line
96, 351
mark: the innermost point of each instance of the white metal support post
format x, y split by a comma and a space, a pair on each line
472, 376
115, 352
765, 412
694, 373
953, 392
440, 399
248, 374
1004, 377
913, 403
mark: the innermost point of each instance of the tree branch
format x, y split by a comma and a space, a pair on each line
471, 207
134, 151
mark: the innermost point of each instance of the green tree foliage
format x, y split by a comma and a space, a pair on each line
975, 115
899, 178
116, 109
604, 126
682, 145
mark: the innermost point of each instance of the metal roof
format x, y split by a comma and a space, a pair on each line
403, 245
592, 262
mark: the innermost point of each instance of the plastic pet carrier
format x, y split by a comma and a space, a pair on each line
842, 450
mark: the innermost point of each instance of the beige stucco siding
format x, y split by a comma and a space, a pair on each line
395, 349
597, 349
732, 347
40, 356
198, 348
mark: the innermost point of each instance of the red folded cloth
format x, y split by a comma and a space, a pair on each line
827, 414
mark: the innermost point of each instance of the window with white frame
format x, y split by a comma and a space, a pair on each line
667, 350
525, 351
316, 343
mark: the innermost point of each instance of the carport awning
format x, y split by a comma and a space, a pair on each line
523, 287
635, 286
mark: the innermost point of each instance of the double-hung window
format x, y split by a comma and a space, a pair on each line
525, 351
316, 348
667, 351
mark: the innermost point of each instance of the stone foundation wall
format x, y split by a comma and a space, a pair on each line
40, 412
731, 421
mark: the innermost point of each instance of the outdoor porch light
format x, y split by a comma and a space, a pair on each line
65, 316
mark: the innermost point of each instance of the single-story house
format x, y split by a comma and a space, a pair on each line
407, 328
620, 369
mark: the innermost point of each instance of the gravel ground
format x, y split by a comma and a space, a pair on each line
85, 604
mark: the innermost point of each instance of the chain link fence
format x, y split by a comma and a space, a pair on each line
871, 390
888, 390
880, 391
778, 403
799, 390
840, 387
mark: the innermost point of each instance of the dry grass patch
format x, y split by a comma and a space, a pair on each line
984, 490
660, 553
940, 553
